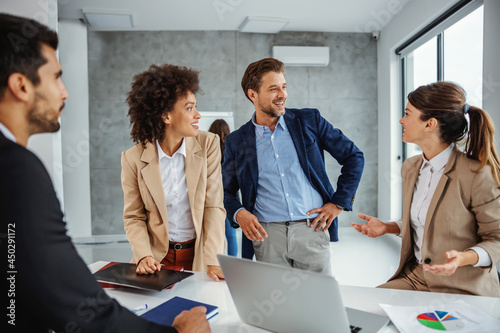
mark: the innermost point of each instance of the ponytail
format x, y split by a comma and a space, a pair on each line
480, 144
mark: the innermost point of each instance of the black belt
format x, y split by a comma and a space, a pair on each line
287, 223
182, 246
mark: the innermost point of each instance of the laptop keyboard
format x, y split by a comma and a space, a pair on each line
355, 329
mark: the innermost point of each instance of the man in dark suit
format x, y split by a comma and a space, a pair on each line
48, 285
277, 161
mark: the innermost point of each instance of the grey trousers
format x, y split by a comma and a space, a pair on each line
295, 244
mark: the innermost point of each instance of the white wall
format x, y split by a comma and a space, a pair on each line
46, 146
73, 56
491, 63
413, 17
43, 11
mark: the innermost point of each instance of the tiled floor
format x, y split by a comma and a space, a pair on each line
356, 259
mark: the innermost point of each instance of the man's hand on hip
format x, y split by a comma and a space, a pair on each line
250, 226
327, 214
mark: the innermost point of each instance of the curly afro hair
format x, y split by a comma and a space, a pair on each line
154, 94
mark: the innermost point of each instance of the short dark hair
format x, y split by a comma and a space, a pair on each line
154, 94
252, 79
21, 42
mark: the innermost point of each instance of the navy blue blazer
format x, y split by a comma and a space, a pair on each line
311, 135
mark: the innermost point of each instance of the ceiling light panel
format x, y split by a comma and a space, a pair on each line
263, 25
108, 20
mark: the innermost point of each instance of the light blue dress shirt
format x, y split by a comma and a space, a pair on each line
8, 134
283, 192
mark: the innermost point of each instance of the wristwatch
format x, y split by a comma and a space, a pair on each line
340, 207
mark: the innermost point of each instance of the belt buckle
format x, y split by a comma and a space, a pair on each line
178, 247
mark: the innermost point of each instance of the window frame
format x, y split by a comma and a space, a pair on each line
434, 29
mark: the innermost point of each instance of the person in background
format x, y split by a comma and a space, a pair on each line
51, 288
289, 208
171, 179
221, 128
450, 228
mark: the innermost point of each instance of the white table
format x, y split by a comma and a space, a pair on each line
201, 288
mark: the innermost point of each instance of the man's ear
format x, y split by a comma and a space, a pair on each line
252, 94
20, 86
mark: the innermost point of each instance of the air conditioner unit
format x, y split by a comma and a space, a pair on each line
302, 55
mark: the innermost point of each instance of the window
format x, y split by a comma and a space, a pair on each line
451, 50
463, 55
421, 67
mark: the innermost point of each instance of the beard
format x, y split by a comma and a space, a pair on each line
43, 119
270, 111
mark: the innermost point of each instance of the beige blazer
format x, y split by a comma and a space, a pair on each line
464, 212
145, 210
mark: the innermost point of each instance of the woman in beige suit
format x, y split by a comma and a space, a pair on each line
171, 179
451, 198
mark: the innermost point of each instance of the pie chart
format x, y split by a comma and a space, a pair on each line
440, 320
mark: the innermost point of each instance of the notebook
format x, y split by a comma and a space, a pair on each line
165, 313
125, 275
284, 299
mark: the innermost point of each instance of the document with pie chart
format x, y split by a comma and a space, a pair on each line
440, 321
457, 317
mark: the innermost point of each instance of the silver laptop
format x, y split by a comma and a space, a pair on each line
284, 299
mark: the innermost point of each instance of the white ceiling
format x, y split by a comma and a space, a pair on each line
310, 15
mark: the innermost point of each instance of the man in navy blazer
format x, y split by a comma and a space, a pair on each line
277, 162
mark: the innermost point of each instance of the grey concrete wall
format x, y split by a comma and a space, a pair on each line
345, 92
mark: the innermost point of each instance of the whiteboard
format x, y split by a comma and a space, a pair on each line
208, 117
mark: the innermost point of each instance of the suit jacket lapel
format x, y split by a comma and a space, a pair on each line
250, 151
409, 185
295, 130
193, 164
440, 190
152, 177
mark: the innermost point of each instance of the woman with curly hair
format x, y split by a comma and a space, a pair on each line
450, 228
173, 197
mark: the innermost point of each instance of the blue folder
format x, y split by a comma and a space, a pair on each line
165, 313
